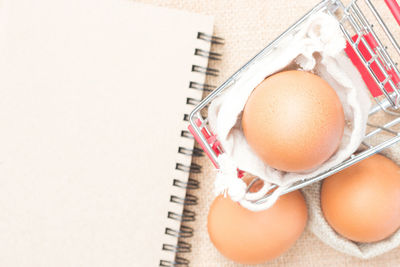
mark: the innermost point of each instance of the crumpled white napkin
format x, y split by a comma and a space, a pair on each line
316, 46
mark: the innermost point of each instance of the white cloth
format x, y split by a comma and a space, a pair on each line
317, 46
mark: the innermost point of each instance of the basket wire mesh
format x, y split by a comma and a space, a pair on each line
374, 57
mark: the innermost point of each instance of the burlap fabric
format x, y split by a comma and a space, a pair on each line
247, 27
319, 226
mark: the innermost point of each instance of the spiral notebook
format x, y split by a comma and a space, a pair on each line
95, 156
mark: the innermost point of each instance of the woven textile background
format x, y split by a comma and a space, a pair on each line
247, 27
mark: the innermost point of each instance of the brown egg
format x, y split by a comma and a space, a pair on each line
362, 202
255, 237
293, 121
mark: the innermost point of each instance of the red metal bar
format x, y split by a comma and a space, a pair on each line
394, 8
369, 81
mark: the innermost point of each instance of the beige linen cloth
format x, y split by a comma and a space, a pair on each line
318, 225
247, 27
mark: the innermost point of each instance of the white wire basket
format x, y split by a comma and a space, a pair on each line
377, 66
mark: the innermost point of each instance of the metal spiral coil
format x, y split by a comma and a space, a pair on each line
188, 200
184, 231
195, 152
205, 70
186, 134
201, 86
210, 38
191, 184
208, 54
192, 101
179, 261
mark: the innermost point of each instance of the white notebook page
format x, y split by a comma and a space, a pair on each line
92, 98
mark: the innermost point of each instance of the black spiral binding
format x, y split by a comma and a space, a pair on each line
189, 200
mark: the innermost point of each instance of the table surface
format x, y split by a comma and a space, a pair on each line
247, 26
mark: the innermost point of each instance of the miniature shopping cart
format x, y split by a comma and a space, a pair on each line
371, 55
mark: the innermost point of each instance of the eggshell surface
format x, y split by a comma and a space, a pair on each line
293, 121
254, 237
362, 202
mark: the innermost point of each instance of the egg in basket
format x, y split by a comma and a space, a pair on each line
298, 112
